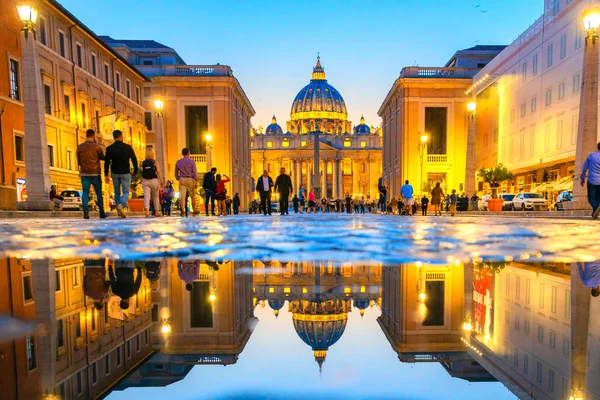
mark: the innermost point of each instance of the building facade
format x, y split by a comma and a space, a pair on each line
349, 159
199, 100
85, 84
528, 107
425, 125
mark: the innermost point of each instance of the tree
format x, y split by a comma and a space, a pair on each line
495, 176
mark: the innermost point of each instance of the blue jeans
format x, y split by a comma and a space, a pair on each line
593, 195
210, 196
121, 181
96, 182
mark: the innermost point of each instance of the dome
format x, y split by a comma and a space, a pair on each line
274, 128
318, 99
362, 128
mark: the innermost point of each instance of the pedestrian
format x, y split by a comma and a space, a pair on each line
591, 166
302, 198
56, 201
119, 155
221, 193
122, 281
188, 272
589, 273
474, 202
424, 204
324, 205
437, 194
167, 198
153, 274
89, 154
236, 204
296, 203
312, 205
151, 182
348, 203
394, 203
263, 186
209, 184
187, 176
383, 197
452, 201
362, 205
407, 197
283, 185
95, 284
228, 204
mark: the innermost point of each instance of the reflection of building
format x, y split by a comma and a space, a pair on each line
432, 102
198, 100
422, 317
200, 330
349, 160
320, 297
86, 84
86, 352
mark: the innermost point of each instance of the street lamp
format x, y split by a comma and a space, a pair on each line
470, 173
166, 327
591, 20
209, 146
472, 106
159, 106
28, 15
423, 154
159, 134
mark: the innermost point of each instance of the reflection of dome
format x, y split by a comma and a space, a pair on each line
319, 99
276, 305
274, 128
320, 324
362, 129
362, 305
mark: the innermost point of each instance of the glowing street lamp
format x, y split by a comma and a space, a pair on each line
424, 139
423, 154
470, 174
28, 15
472, 106
422, 297
166, 327
159, 106
591, 21
209, 146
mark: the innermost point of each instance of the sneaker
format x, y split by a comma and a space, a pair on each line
121, 211
103, 215
596, 213
86, 215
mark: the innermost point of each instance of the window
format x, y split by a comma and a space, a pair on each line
84, 117
79, 384
347, 143
106, 74
148, 120
516, 357
539, 371
302, 143
19, 149
128, 349
567, 304
107, 364
517, 322
551, 380
553, 299
524, 72
42, 30
147, 62
31, 356
566, 347
128, 88
525, 364
285, 143
48, 99
79, 56
60, 335
576, 83
94, 72
534, 65
548, 97
94, 373
57, 281
435, 303
523, 109
540, 335
27, 288
15, 84
118, 82
51, 155
512, 115
578, 37
94, 319
137, 94
61, 43
561, 91
555, 7
146, 337
549, 56
526, 328
542, 286
552, 340
269, 145
118, 357
66, 108
559, 140
436, 123
563, 46
75, 276
363, 144
77, 322
506, 317
137, 344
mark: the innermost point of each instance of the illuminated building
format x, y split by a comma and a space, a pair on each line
349, 159
432, 102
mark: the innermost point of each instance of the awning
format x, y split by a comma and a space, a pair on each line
565, 183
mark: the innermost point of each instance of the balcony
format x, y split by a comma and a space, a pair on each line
437, 158
431, 72
185, 70
200, 160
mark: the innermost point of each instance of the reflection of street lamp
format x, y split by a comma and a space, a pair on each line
166, 327
423, 154
161, 158
209, 146
471, 137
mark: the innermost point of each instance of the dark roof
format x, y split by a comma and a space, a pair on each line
87, 30
135, 44
484, 47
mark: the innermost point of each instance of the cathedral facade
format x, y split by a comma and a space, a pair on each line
349, 159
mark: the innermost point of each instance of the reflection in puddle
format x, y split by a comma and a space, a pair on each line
139, 328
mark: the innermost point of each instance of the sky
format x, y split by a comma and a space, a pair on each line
272, 45
277, 364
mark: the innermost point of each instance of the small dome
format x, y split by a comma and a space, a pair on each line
274, 128
276, 304
362, 128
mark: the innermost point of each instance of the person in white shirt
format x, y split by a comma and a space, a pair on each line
263, 186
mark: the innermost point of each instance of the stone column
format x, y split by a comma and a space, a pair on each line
580, 324
470, 184
316, 160
299, 171
468, 294
324, 180
587, 132
336, 178
36, 145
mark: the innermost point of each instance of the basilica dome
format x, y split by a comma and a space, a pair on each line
362, 128
318, 99
274, 128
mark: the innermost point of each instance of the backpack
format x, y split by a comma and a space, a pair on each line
149, 169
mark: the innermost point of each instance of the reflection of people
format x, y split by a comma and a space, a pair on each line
122, 281
153, 274
188, 272
95, 284
589, 272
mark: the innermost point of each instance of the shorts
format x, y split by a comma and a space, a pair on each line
409, 202
452, 208
302, 203
311, 203
186, 185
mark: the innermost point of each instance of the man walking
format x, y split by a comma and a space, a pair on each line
591, 166
263, 187
452, 201
424, 204
283, 185
236, 204
118, 156
407, 195
89, 154
209, 184
187, 176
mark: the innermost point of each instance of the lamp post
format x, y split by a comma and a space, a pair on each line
471, 134
36, 144
209, 147
423, 153
161, 158
588, 106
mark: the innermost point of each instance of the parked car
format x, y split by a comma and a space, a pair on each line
71, 199
508, 198
563, 197
530, 201
484, 202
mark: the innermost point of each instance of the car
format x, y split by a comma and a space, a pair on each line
508, 198
484, 202
71, 199
529, 201
563, 197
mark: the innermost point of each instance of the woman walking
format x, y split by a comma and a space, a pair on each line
437, 194
150, 181
312, 206
302, 197
221, 193
167, 198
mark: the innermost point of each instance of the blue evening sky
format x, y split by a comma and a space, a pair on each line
277, 364
272, 45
